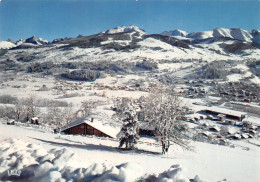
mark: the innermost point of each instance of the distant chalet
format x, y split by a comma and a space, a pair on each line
231, 114
96, 124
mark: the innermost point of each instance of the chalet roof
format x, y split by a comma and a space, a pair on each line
215, 128
101, 122
225, 111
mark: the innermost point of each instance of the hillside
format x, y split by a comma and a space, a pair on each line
215, 74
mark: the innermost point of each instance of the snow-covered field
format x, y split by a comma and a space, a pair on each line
44, 156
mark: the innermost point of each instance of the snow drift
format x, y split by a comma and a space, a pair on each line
35, 163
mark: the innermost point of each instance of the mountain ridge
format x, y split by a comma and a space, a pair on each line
233, 33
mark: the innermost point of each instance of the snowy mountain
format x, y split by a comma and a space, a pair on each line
31, 41
6, 45
175, 33
232, 33
124, 29
217, 44
37, 41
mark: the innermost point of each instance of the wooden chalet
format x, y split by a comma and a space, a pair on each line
96, 124
146, 130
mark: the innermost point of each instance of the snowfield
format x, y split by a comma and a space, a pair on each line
6, 45
44, 156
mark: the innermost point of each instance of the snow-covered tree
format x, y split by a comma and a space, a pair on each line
19, 108
86, 107
54, 114
163, 111
30, 108
129, 131
68, 114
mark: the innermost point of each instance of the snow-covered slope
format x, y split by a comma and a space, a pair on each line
124, 29
44, 156
200, 35
175, 33
6, 45
235, 33
232, 33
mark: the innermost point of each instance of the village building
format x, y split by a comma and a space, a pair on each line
95, 124
34, 120
221, 117
11, 122
231, 114
214, 128
146, 130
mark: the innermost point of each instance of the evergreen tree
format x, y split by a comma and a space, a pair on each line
129, 131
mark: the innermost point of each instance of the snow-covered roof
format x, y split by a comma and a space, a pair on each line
101, 122
206, 133
226, 111
215, 127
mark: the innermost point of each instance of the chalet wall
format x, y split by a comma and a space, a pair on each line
84, 129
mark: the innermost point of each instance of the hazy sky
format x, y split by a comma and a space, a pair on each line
51, 19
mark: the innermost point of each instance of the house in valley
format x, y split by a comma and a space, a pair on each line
226, 113
146, 130
99, 125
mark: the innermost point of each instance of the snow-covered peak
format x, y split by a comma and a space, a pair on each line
6, 45
37, 41
32, 41
200, 35
256, 36
175, 33
124, 29
20, 42
233, 33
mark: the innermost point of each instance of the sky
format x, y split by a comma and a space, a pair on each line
51, 19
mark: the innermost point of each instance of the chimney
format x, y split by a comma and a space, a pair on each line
92, 119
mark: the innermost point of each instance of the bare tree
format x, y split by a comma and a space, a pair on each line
19, 108
68, 114
164, 112
86, 107
30, 108
7, 112
54, 114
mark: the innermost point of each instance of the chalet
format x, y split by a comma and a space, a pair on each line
35, 120
95, 124
236, 136
11, 122
146, 130
231, 114
221, 117
214, 128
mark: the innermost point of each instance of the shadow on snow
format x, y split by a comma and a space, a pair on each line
99, 147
